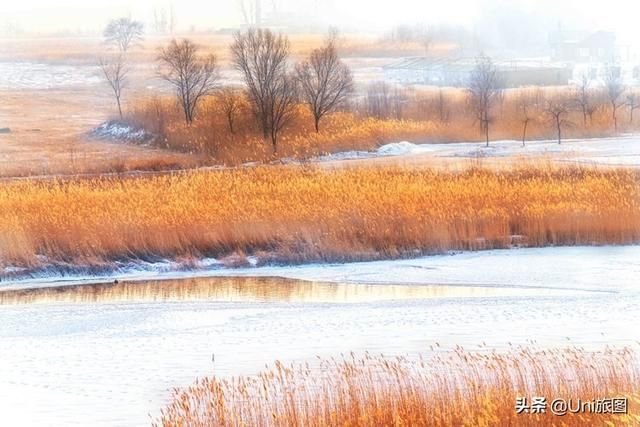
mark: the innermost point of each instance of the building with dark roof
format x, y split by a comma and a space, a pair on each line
572, 46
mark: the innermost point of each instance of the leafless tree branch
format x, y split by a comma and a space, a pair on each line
325, 81
192, 75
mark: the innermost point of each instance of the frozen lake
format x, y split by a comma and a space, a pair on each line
107, 354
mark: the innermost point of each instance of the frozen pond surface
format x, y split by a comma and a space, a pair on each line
34, 75
108, 354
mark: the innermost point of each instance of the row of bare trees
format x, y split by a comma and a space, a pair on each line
271, 86
488, 104
486, 89
120, 33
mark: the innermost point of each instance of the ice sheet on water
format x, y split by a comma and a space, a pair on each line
115, 363
601, 268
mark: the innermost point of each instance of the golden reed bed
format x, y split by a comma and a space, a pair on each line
297, 214
455, 389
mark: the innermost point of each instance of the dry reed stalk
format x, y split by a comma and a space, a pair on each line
458, 388
302, 213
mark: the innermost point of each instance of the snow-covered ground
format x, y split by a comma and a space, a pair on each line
37, 75
623, 150
120, 131
112, 363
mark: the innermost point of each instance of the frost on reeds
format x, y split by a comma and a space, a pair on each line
451, 389
297, 214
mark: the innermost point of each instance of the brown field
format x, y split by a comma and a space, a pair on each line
297, 214
79, 49
461, 389
49, 127
49, 137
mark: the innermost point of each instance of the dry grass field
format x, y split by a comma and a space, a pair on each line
461, 389
417, 120
50, 125
79, 49
49, 137
298, 214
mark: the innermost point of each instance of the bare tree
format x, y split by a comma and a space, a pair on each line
284, 101
172, 18
261, 56
325, 81
441, 103
159, 20
633, 103
399, 101
378, 100
525, 107
598, 102
123, 32
115, 73
583, 97
558, 111
192, 75
230, 101
615, 89
484, 89
425, 40
251, 12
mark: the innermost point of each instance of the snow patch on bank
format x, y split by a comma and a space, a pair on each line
623, 150
345, 155
393, 149
404, 148
121, 131
42, 75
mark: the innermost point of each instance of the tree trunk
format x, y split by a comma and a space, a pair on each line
559, 131
316, 122
524, 132
186, 114
119, 107
230, 121
274, 142
486, 130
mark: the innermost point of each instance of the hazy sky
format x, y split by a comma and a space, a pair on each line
47, 15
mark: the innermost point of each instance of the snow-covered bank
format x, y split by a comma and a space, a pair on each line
622, 151
582, 266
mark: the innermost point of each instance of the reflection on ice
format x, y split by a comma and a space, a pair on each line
265, 289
